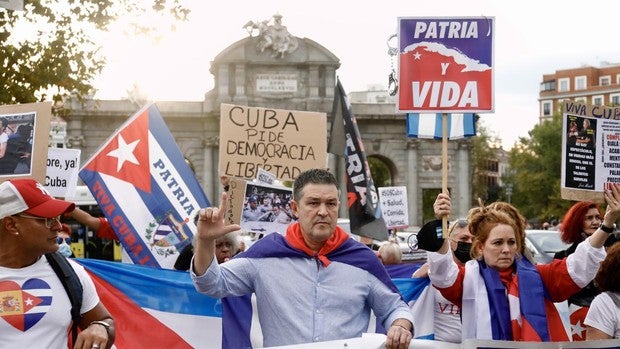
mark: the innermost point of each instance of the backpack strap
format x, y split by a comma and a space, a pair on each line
71, 282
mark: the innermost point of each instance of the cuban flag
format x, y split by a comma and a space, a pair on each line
431, 125
146, 190
418, 294
155, 308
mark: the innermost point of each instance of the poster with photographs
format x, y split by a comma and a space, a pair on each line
24, 136
266, 209
590, 150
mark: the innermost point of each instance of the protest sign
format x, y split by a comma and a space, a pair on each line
62, 171
445, 64
394, 206
283, 142
24, 129
236, 199
590, 150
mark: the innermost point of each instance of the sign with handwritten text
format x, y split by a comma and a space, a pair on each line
62, 171
394, 206
283, 142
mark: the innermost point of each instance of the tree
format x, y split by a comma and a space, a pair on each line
483, 153
536, 172
50, 47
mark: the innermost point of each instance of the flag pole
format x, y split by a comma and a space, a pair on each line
444, 168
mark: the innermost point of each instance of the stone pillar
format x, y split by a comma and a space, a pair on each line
75, 137
210, 146
222, 83
330, 82
463, 177
313, 81
240, 97
413, 188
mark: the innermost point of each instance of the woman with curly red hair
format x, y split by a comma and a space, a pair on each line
581, 221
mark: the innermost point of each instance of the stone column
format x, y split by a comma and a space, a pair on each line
222, 83
414, 193
330, 82
211, 178
75, 136
313, 81
463, 177
240, 96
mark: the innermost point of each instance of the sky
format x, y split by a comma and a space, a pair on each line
532, 38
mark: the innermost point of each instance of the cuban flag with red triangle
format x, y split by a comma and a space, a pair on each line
146, 189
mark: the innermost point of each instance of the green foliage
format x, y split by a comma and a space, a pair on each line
51, 46
481, 153
380, 172
536, 172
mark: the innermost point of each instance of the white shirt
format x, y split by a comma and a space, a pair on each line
604, 315
35, 308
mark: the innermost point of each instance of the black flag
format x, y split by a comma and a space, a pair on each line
364, 214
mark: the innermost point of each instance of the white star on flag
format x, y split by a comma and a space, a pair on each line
28, 301
417, 55
578, 330
124, 152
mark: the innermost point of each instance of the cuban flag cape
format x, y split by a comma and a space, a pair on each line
155, 308
237, 315
527, 315
431, 126
145, 189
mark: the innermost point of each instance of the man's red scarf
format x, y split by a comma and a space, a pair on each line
296, 240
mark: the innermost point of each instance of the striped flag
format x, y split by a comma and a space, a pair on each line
146, 190
155, 308
418, 293
430, 125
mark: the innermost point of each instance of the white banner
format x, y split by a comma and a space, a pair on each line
62, 171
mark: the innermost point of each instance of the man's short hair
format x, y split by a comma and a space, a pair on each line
312, 176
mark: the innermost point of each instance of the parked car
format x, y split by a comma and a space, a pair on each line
544, 244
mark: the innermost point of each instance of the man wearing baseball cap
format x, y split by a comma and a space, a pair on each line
35, 306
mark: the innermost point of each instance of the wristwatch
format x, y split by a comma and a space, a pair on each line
608, 230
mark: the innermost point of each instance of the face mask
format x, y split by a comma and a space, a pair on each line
462, 251
65, 250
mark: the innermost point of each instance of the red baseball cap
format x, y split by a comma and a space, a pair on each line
29, 196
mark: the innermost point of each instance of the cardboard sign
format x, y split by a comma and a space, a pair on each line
25, 139
590, 150
236, 198
394, 206
63, 166
283, 142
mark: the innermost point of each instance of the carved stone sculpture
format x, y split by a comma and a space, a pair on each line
274, 37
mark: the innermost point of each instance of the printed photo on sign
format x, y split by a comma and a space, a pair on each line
24, 134
266, 209
16, 140
590, 150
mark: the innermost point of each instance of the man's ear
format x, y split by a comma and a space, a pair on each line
294, 208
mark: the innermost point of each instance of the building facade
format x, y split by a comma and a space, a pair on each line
588, 85
274, 69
